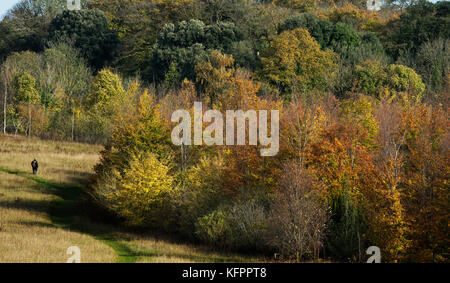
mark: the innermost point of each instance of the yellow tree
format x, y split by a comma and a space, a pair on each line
425, 187
143, 192
26, 93
104, 102
300, 124
214, 75
360, 18
294, 62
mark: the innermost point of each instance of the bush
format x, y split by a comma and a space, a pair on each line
215, 229
239, 227
201, 192
249, 225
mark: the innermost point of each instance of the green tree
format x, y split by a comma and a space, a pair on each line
188, 43
26, 93
320, 29
138, 24
90, 32
370, 76
374, 78
421, 22
65, 82
403, 79
25, 25
432, 63
330, 36
346, 230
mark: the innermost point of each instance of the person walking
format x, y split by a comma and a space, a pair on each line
35, 166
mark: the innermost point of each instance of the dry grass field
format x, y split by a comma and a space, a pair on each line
40, 215
27, 233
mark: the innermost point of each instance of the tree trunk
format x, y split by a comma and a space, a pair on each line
29, 120
73, 122
183, 158
4, 107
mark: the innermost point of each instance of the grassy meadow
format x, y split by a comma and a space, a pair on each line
42, 216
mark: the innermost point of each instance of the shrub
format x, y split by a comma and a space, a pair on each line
239, 227
249, 225
200, 193
215, 229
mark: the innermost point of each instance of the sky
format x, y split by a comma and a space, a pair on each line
5, 5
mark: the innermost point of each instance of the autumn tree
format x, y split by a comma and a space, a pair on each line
400, 81
358, 17
141, 129
424, 186
182, 98
142, 192
214, 75
246, 169
295, 62
65, 82
297, 218
135, 162
26, 93
301, 5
